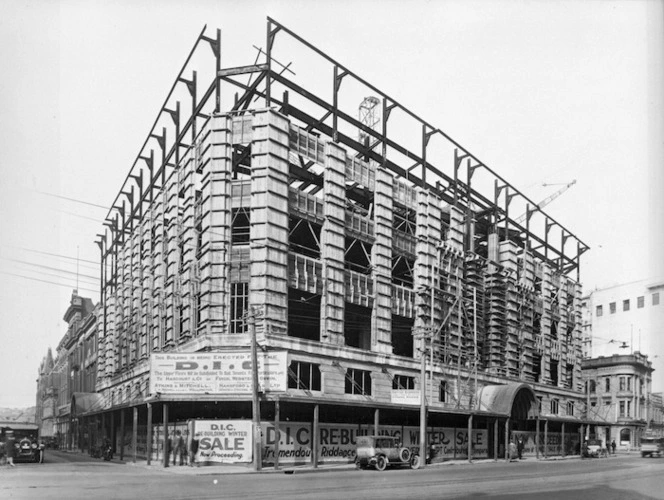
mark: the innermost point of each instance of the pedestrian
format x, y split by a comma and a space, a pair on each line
193, 451
178, 448
613, 447
513, 450
519, 447
9, 448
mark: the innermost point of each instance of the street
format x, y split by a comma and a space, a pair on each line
74, 476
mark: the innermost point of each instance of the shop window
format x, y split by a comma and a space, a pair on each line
304, 376
403, 382
358, 382
599, 311
612, 307
626, 305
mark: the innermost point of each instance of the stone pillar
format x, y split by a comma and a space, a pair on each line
333, 246
268, 288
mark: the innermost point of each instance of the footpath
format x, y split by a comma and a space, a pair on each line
203, 470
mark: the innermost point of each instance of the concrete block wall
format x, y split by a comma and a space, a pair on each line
333, 246
216, 162
382, 261
269, 217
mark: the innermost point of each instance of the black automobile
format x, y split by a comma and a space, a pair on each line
27, 447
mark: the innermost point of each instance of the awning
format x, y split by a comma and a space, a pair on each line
83, 403
511, 400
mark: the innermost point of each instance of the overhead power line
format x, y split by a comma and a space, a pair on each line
46, 281
72, 199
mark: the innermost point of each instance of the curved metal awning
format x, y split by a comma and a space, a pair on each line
516, 399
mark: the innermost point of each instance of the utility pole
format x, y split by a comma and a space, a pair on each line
255, 403
423, 402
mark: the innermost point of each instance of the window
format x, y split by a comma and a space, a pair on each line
622, 409
403, 382
553, 372
621, 384
625, 435
640, 301
539, 404
599, 311
442, 394
612, 307
626, 305
629, 408
570, 408
239, 301
607, 384
358, 382
655, 299
304, 376
629, 383
593, 386
554, 407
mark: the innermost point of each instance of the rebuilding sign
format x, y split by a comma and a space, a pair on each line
224, 441
216, 373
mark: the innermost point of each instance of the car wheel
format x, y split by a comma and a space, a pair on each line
404, 454
415, 462
381, 463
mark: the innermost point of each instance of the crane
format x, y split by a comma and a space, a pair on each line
548, 199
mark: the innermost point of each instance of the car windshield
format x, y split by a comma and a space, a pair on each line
384, 443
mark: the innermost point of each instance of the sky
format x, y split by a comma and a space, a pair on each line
541, 92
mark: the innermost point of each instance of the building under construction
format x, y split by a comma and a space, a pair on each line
359, 244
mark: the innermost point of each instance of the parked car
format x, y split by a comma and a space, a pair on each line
593, 448
381, 452
651, 446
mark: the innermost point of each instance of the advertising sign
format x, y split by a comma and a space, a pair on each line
216, 373
224, 441
337, 442
553, 445
405, 396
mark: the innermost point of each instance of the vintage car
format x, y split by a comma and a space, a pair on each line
27, 447
651, 446
381, 452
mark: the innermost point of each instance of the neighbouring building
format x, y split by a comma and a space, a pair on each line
46, 402
619, 392
625, 318
73, 371
356, 257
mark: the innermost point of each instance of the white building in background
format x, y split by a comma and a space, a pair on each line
626, 318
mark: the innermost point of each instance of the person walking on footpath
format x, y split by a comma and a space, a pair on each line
179, 449
193, 451
613, 447
519, 447
9, 448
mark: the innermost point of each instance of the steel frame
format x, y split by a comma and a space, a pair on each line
128, 204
